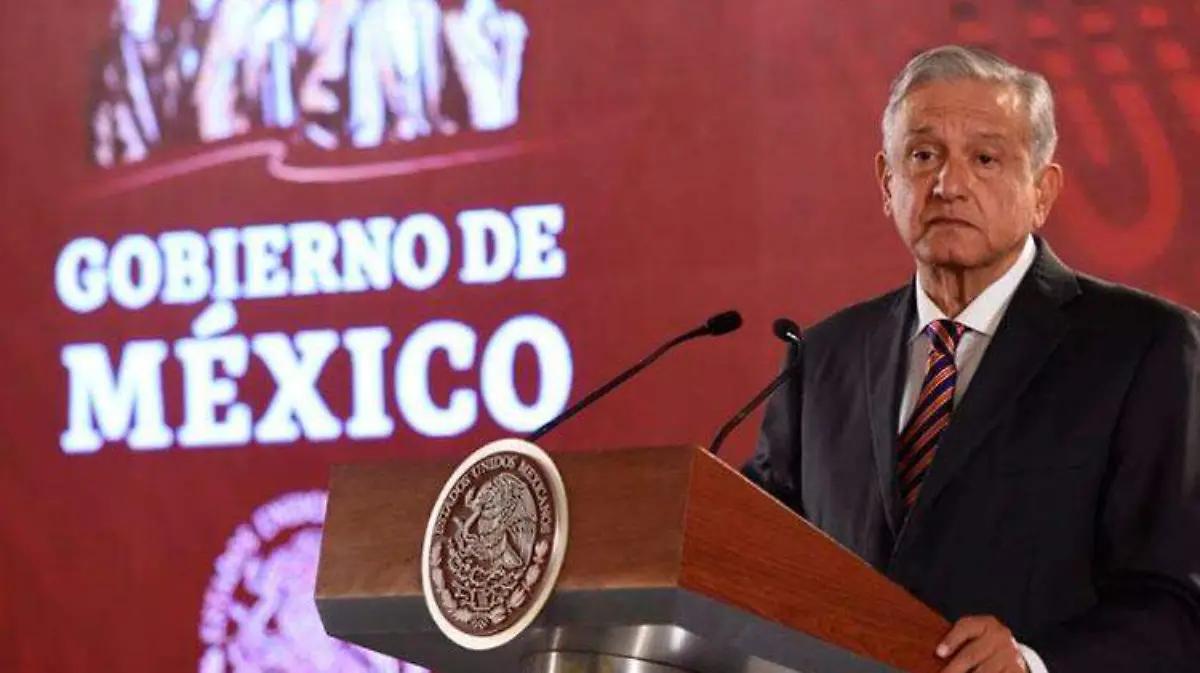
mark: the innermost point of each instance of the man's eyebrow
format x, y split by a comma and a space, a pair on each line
928, 130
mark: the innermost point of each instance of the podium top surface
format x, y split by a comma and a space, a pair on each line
658, 535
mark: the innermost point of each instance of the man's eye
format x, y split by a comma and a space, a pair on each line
922, 155
987, 159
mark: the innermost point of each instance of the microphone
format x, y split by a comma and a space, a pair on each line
785, 330
719, 324
788, 331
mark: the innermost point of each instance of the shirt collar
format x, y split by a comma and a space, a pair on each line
982, 315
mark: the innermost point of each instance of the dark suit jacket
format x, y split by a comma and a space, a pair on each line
1063, 497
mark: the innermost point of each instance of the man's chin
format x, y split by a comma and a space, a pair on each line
951, 255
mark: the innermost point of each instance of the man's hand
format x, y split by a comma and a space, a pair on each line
981, 644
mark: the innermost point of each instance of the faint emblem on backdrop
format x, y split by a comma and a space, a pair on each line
259, 613
339, 73
494, 544
1124, 75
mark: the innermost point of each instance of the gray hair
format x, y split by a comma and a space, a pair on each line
956, 62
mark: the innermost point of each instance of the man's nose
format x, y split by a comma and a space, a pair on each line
952, 179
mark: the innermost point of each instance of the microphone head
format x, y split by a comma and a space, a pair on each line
787, 330
723, 323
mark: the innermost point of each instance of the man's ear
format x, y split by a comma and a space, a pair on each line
1049, 186
883, 173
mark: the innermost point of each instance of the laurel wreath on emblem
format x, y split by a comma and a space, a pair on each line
492, 561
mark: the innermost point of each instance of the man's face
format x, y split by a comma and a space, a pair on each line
957, 175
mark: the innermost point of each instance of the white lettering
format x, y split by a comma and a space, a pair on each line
265, 275
366, 263
225, 263
499, 368
297, 406
188, 279
541, 258
314, 246
112, 404
412, 379
204, 390
79, 275
309, 257
369, 420
430, 232
128, 291
104, 406
478, 228
111, 401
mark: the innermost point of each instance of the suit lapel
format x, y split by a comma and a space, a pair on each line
886, 360
1032, 327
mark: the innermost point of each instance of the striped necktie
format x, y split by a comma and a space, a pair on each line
929, 419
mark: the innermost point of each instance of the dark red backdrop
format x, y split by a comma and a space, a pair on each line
706, 157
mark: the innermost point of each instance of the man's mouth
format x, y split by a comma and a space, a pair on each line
948, 221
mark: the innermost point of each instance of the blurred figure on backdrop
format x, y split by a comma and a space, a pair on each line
1014, 442
345, 72
247, 71
397, 72
487, 43
193, 31
215, 94
323, 87
136, 89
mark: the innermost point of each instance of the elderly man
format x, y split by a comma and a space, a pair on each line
1014, 442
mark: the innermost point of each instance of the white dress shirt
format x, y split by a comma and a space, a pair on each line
981, 318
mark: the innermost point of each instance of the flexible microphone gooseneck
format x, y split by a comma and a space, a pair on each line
788, 331
722, 323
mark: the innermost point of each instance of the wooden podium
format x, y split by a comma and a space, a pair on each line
674, 562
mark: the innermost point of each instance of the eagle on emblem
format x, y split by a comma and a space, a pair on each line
501, 526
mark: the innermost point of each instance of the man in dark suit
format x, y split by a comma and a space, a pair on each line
1014, 442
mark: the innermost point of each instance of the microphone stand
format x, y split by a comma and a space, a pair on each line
741, 415
722, 323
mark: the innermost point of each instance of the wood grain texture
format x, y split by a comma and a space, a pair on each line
644, 518
625, 513
374, 525
747, 550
